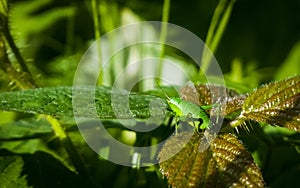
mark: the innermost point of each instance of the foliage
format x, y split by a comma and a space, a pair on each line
226, 163
41, 43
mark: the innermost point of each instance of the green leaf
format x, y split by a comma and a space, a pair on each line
226, 163
29, 136
11, 172
22, 130
277, 103
3, 10
290, 65
37, 22
25, 146
57, 101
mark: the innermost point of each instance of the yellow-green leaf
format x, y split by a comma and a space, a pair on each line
277, 103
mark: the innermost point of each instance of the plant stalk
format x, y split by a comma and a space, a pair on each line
163, 37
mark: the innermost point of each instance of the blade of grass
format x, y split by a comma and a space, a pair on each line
163, 36
109, 19
70, 37
215, 32
215, 20
222, 26
95, 12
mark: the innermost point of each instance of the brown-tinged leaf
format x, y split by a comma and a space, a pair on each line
277, 103
226, 163
204, 94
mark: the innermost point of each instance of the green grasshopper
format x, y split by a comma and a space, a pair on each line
189, 112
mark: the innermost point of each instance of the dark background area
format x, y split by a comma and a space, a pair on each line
260, 31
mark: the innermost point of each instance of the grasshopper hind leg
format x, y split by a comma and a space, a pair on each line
196, 122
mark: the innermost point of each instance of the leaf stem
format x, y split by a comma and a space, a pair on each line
18, 55
70, 148
21, 79
26, 80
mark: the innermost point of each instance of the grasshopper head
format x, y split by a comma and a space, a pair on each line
174, 105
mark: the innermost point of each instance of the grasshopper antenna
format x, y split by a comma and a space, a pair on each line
165, 94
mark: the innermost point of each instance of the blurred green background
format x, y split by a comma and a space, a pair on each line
261, 36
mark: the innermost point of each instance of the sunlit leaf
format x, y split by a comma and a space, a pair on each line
277, 103
203, 94
57, 101
226, 163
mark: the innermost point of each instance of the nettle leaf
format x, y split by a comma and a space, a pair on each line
204, 94
57, 101
226, 163
277, 103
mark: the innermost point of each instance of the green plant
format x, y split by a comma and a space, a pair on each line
226, 162
41, 146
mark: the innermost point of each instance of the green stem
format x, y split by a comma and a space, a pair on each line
214, 21
70, 37
14, 48
215, 32
222, 26
163, 37
18, 55
18, 77
95, 19
95, 11
68, 145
